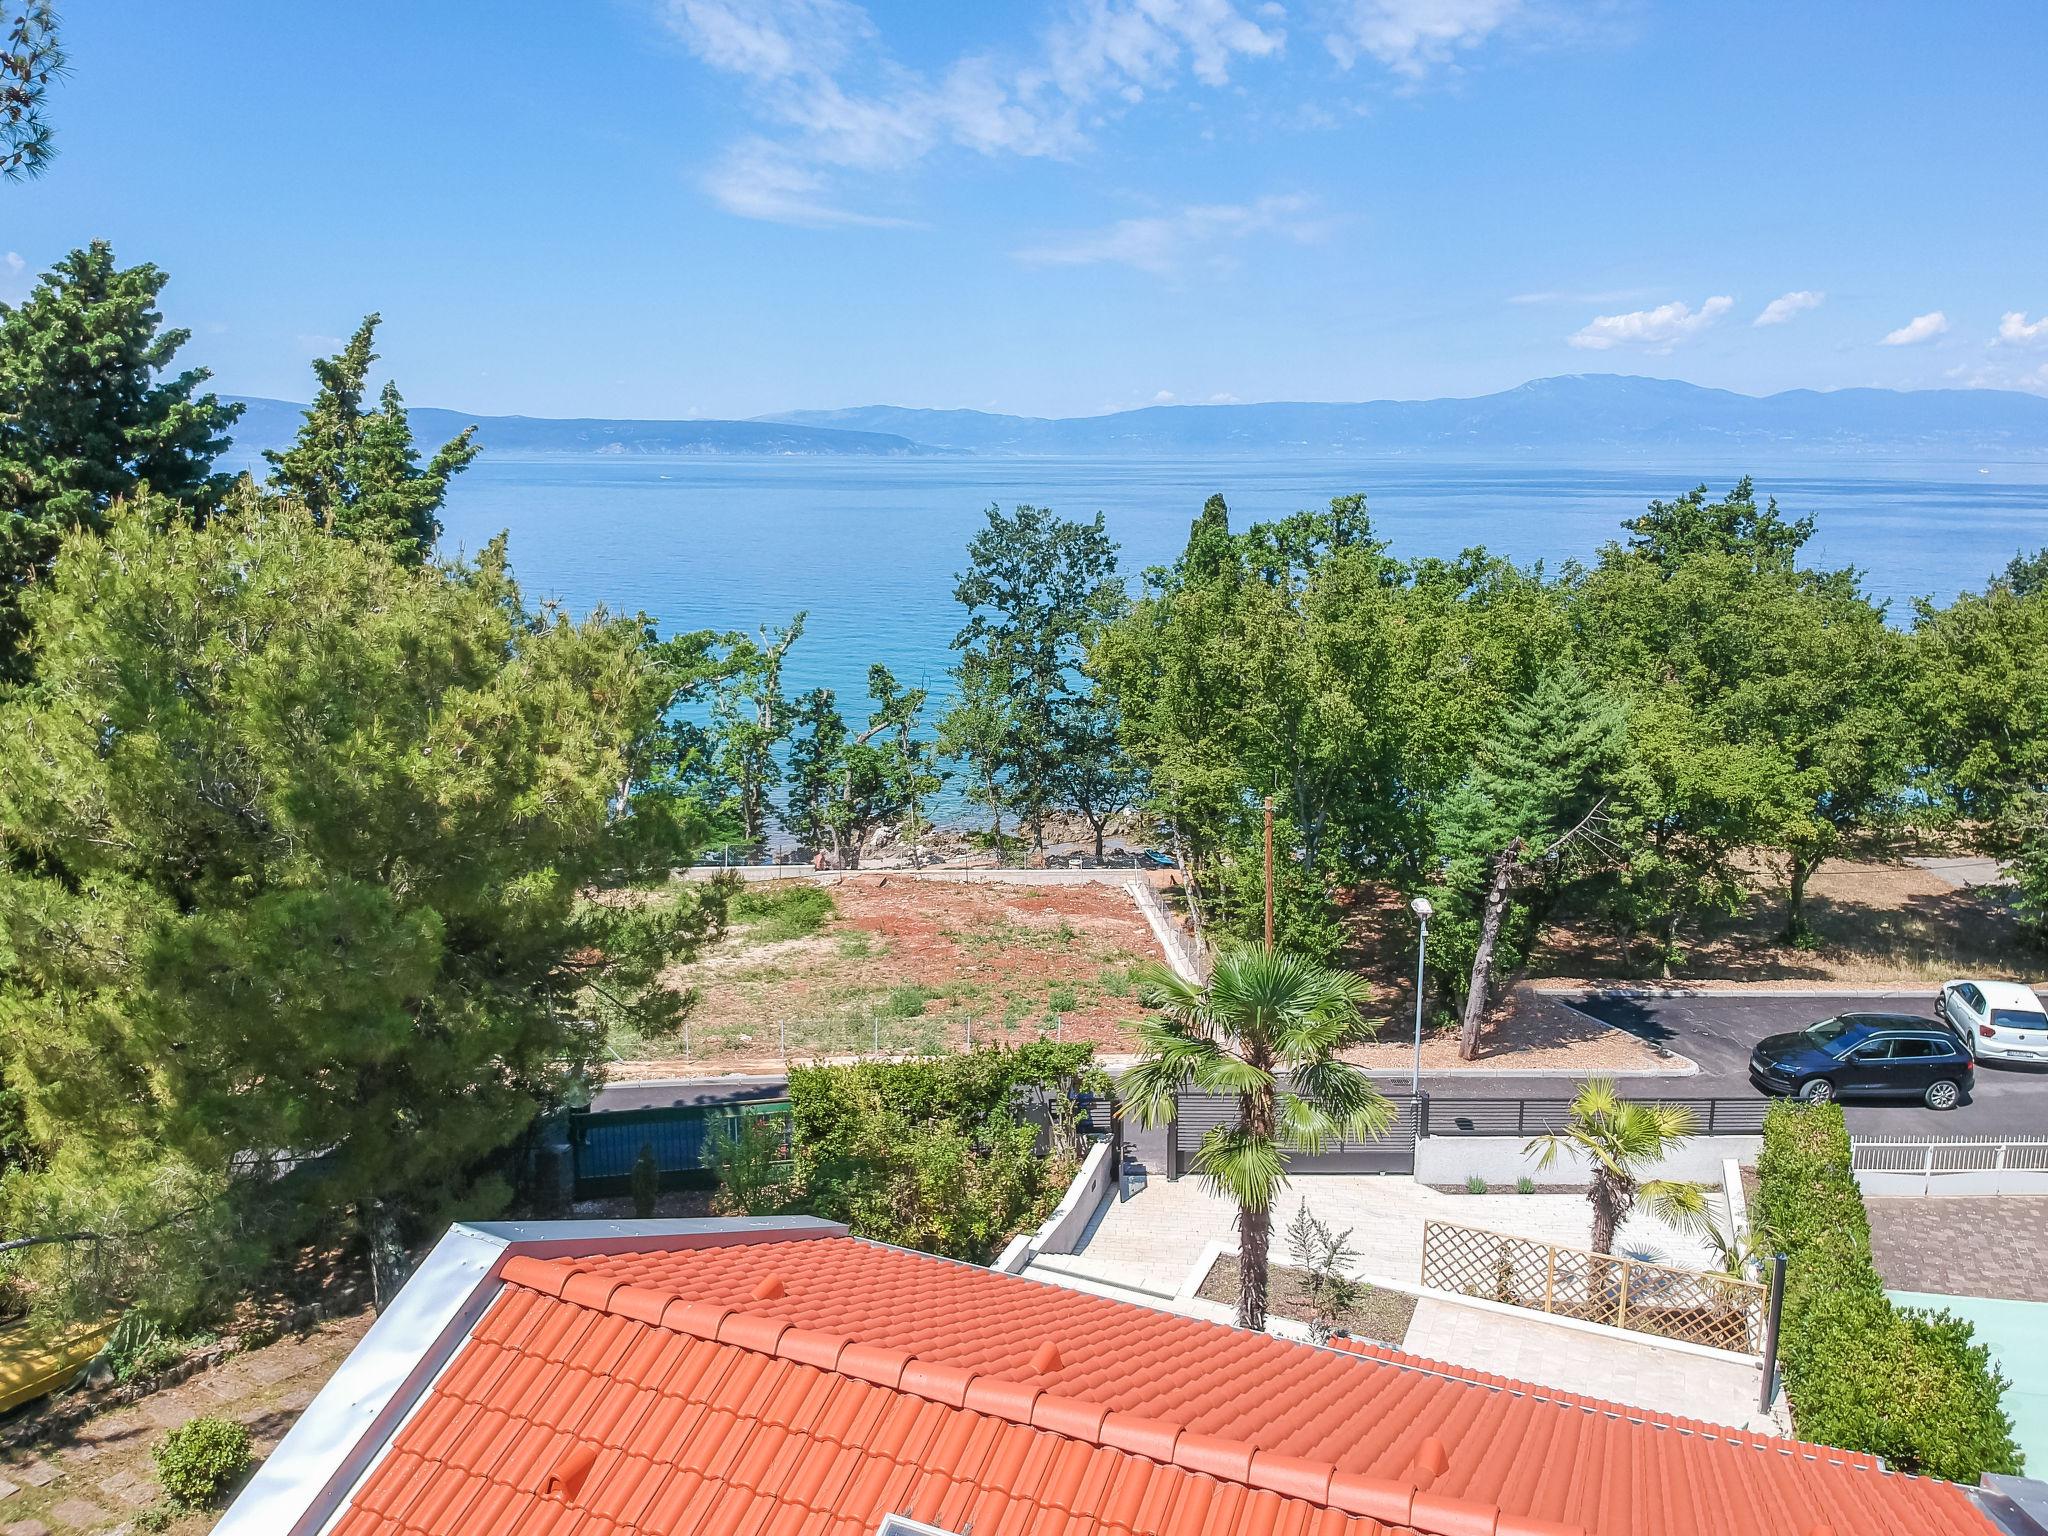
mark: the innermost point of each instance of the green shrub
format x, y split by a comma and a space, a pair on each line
1474, 1185
201, 1459
929, 1154
905, 1002
1525, 1185
1912, 1387
774, 910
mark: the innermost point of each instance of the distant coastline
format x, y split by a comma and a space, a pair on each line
1607, 416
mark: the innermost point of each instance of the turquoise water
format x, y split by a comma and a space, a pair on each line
870, 547
2017, 1332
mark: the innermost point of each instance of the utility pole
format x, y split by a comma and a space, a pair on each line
1269, 871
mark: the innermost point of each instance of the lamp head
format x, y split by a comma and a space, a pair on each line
1421, 908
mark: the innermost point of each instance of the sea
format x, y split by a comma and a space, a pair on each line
869, 549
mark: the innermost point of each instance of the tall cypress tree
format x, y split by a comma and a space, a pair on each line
357, 471
89, 414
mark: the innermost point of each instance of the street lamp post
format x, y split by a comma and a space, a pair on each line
1421, 908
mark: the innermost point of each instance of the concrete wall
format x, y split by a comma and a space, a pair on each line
1061, 1231
1503, 1160
1968, 1181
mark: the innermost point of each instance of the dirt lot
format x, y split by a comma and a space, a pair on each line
98, 1477
909, 965
1875, 924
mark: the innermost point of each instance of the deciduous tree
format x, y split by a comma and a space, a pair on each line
1037, 589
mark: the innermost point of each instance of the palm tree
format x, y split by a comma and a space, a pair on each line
1621, 1138
1267, 1028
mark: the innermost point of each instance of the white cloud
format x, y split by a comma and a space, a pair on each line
12, 261
2015, 330
1789, 305
1164, 244
839, 107
1994, 376
1656, 330
1412, 37
1165, 397
1920, 328
1561, 296
761, 180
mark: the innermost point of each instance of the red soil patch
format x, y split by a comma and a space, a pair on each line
916, 965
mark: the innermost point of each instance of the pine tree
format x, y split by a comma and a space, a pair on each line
1550, 761
357, 471
297, 854
89, 414
31, 56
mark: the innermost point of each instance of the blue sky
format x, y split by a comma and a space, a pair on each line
720, 208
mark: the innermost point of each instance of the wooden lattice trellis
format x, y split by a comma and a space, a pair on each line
1720, 1311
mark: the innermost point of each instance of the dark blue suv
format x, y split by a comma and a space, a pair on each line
1858, 1054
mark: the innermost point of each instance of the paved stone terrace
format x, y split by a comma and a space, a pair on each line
1149, 1240
1962, 1245
96, 1478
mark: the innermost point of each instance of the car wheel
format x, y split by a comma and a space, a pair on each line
1817, 1090
1943, 1095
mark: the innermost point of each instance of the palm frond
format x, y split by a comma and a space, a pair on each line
1221, 1072
1679, 1204
1347, 1094
1244, 1168
1170, 1061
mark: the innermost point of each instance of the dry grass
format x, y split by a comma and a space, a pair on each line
908, 966
1875, 925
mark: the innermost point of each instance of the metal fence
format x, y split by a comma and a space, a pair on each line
1436, 1115
1196, 1114
1719, 1311
1961, 1165
1448, 1116
605, 1144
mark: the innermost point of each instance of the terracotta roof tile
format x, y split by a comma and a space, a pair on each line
738, 1389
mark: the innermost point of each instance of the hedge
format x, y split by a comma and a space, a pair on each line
1913, 1387
962, 1091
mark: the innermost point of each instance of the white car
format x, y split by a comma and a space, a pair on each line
1999, 1020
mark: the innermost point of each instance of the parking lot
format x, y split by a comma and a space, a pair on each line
1717, 1030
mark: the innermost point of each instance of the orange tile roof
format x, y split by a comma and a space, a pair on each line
814, 1386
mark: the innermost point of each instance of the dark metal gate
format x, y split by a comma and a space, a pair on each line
1196, 1114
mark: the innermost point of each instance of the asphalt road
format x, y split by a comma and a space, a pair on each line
1716, 1030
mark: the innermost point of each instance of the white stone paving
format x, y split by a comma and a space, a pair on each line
1149, 1241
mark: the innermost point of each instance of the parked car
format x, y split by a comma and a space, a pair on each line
1998, 1020
1866, 1054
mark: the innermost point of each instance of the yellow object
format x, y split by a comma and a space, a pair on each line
34, 1362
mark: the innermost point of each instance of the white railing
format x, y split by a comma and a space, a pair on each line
1951, 1165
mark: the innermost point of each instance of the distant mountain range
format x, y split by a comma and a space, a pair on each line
273, 423
1581, 415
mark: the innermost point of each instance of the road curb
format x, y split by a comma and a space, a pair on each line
1700, 994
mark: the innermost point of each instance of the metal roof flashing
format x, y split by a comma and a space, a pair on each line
305, 1484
